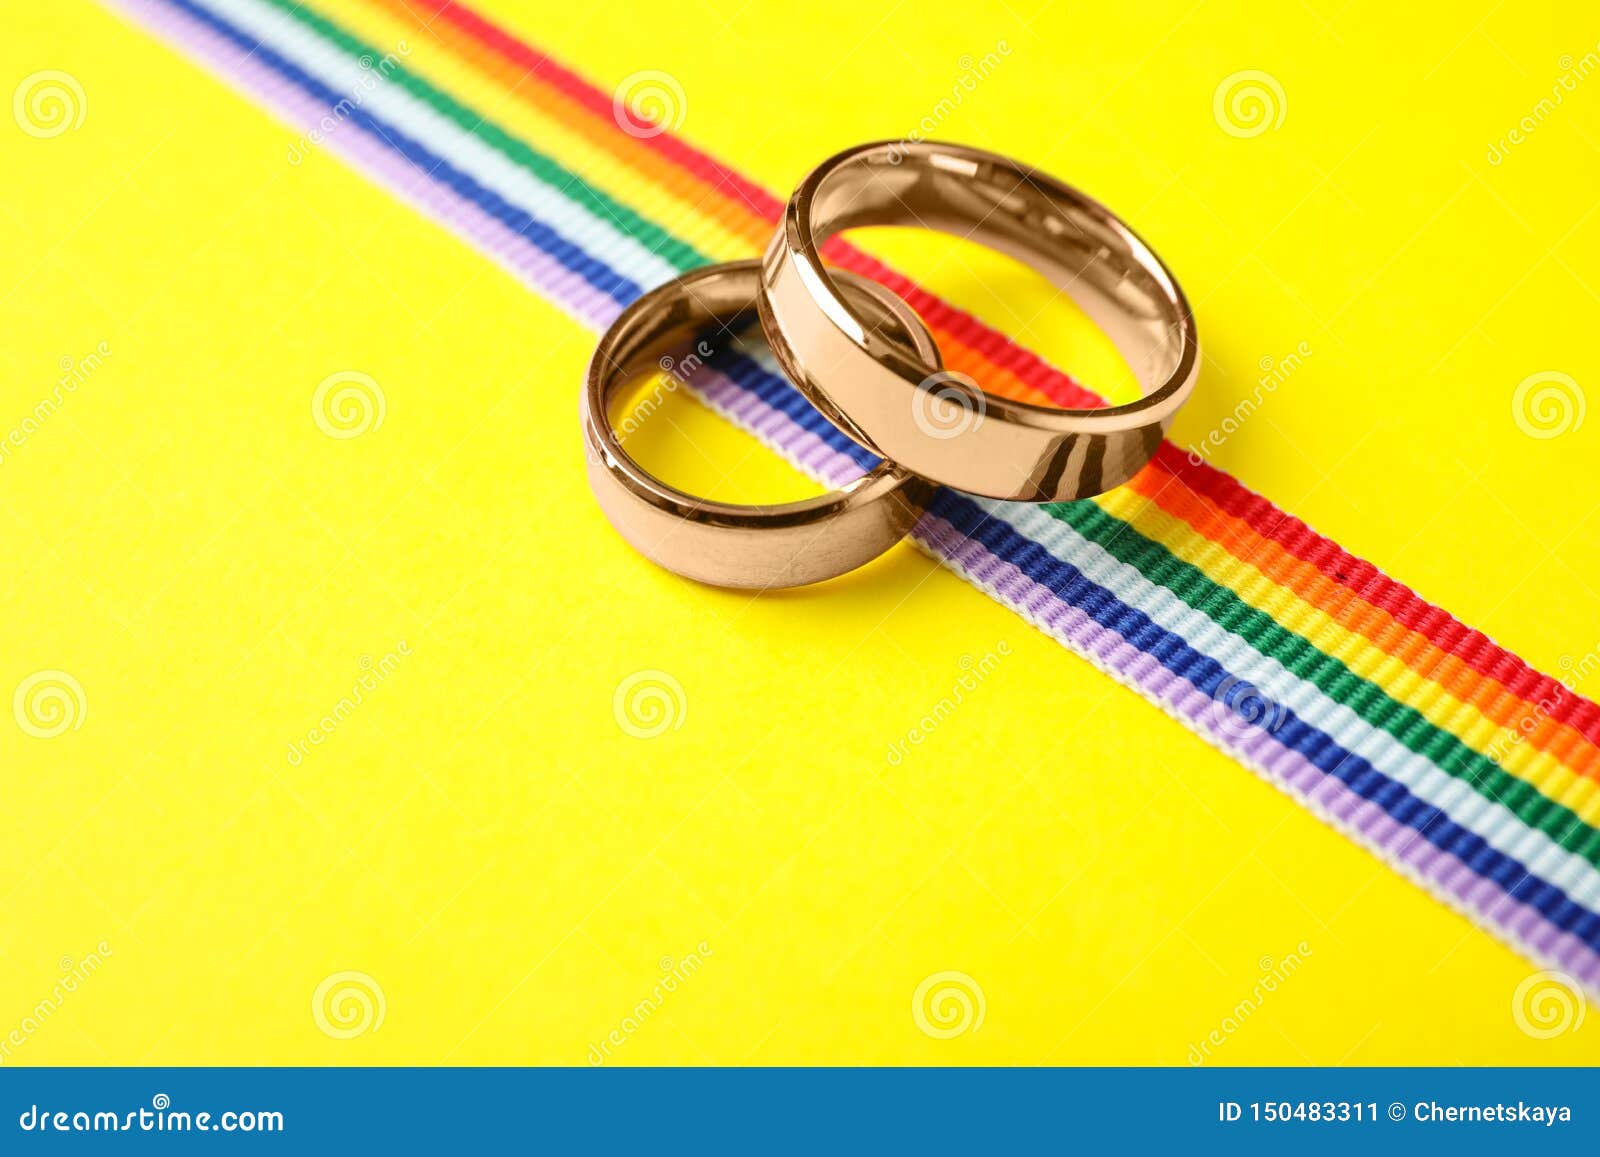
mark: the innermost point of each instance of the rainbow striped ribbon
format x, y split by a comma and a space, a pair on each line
1446, 755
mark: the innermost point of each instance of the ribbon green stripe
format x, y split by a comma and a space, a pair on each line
1330, 675
565, 182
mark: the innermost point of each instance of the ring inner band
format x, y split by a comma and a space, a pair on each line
1073, 240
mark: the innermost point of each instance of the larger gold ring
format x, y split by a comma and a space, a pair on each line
887, 400
721, 543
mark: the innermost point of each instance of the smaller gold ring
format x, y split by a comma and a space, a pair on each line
944, 426
762, 547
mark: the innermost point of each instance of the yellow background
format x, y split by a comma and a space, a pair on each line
481, 838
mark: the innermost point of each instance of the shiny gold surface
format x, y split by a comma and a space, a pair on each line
943, 426
762, 547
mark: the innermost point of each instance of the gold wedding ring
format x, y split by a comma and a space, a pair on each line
721, 543
882, 396
862, 356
